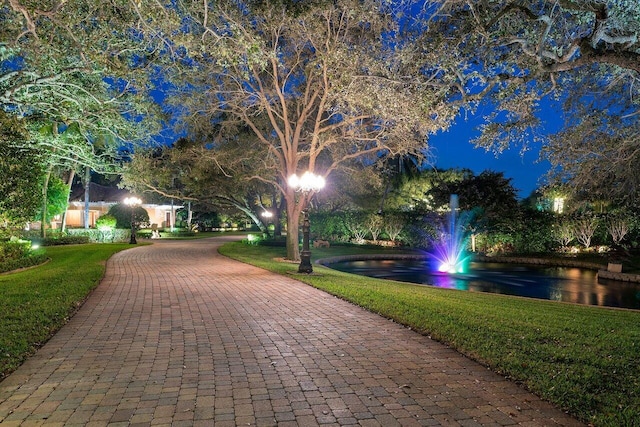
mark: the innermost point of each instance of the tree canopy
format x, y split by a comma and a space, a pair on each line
317, 84
521, 57
20, 171
74, 62
281, 87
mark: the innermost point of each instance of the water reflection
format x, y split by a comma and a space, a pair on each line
552, 283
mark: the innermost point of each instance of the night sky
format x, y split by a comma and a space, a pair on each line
453, 149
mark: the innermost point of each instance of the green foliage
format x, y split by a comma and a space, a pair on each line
57, 196
28, 261
525, 57
21, 172
412, 191
122, 214
330, 226
106, 221
62, 239
76, 67
16, 254
101, 236
420, 231
533, 231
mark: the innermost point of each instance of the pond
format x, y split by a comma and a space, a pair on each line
566, 284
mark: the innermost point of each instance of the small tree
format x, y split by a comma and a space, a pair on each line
393, 226
374, 225
355, 225
618, 228
564, 232
21, 172
585, 228
122, 213
106, 224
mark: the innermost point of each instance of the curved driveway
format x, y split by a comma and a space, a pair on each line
177, 335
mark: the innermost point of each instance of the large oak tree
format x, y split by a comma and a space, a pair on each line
319, 83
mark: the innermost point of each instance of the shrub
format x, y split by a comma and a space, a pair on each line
122, 213
106, 221
29, 261
535, 233
101, 236
330, 226
18, 254
14, 249
62, 239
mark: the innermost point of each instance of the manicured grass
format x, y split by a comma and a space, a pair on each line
35, 303
585, 360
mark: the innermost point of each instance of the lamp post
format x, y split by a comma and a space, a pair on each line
306, 183
133, 202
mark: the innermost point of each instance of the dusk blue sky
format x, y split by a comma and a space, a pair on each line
454, 149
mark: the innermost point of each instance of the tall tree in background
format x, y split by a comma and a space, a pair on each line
189, 171
489, 200
76, 66
319, 83
583, 56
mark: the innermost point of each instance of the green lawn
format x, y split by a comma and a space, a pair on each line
35, 303
583, 359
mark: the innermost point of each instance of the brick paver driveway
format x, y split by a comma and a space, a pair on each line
178, 335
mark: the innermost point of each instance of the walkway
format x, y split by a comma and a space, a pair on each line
177, 335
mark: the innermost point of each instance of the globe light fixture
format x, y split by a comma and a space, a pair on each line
308, 182
267, 215
133, 202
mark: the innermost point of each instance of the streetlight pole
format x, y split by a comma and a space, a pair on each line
305, 256
133, 202
306, 183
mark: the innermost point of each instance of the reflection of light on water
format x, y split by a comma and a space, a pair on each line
448, 281
555, 295
570, 285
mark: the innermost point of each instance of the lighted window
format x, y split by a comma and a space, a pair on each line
558, 204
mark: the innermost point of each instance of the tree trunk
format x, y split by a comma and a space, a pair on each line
87, 183
293, 223
189, 215
43, 215
172, 217
293, 249
72, 174
277, 212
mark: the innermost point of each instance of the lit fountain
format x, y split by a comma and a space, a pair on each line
449, 250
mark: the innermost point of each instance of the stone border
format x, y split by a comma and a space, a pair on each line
621, 277
365, 257
556, 262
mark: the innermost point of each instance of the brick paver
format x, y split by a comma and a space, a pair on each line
177, 335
